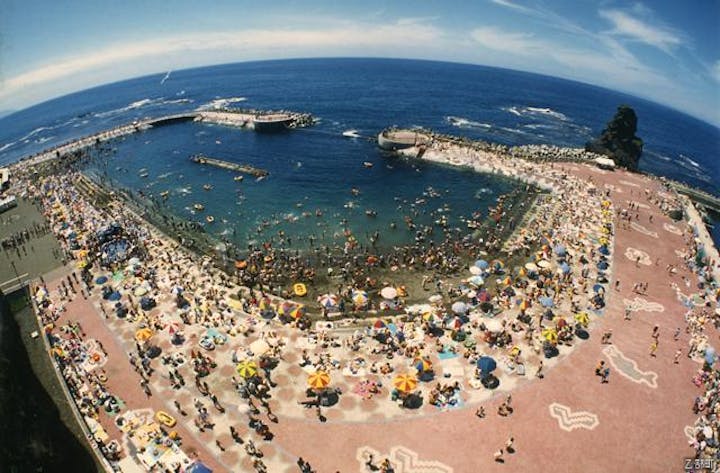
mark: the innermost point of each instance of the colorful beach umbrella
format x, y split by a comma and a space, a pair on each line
360, 298
143, 334
247, 369
319, 380
497, 264
531, 267
379, 324
422, 365
405, 383
474, 270
328, 300
297, 312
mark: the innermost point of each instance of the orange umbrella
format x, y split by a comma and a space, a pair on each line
319, 380
405, 383
240, 264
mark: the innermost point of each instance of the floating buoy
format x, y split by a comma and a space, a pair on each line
165, 419
299, 289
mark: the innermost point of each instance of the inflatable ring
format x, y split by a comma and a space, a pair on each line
299, 289
95, 357
166, 419
102, 377
393, 268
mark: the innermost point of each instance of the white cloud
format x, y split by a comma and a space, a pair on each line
627, 26
715, 71
602, 65
407, 37
511, 5
499, 40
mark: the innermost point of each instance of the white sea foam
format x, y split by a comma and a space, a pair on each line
657, 155
461, 122
133, 106
221, 103
536, 112
690, 161
6, 146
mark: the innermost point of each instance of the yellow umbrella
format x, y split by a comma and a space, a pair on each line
405, 383
234, 303
297, 312
247, 369
582, 318
550, 334
319, 380
143, 334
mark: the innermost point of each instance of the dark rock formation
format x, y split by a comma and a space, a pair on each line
618, 140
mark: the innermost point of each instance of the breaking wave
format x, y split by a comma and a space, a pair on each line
461, 122
536, 112
221, 103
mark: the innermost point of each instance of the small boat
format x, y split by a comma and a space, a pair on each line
207, 187
371, 213
210, 219
238, 178
367, 164
144, 174
164, 194
355, 191
351, 134
199, 207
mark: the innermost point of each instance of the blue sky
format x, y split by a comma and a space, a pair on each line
664, 50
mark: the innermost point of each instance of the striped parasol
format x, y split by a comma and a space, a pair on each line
319, 380
405, 383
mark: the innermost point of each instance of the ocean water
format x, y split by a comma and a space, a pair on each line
314, 169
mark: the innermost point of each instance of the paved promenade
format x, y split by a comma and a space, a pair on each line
567, 421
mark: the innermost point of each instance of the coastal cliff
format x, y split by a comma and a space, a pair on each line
618, 139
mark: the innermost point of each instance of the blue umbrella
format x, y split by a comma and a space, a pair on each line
114, 296
560, 250
598, 288
565, 268
546, 301
482, 264
101, 280
486, 364
604, 250
476, 280
602, 265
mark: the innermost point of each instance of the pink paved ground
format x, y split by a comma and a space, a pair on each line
640, 428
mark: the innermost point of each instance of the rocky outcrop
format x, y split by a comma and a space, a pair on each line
618, 140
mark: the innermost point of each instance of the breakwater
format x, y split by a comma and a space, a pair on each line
252, 119
219, 163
